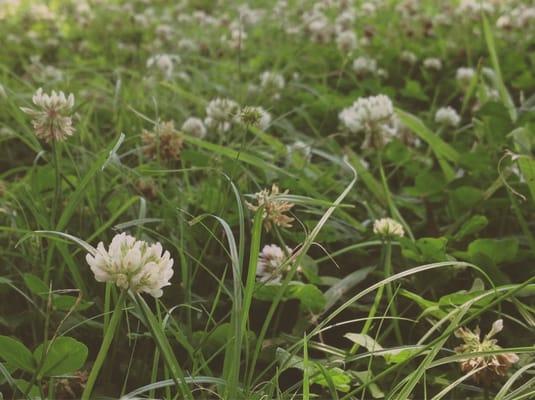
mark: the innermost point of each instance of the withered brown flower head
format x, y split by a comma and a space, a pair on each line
164, 141
148, 188
274, 208
493, 366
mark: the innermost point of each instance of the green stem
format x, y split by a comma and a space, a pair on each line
376, 301
105, 346
389, 293
56, 150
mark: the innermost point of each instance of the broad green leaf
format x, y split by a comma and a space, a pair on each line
36, 285
64, 356
23, 386
498, 250
425, 249
475, 224
309, 296
16, 354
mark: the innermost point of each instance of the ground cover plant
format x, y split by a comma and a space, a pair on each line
270, 199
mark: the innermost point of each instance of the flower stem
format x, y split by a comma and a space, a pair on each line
56, 150
378, 297
105, 346
389, 293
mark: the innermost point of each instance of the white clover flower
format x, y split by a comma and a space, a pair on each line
132, 264
194, 127
464, 75
433, 64
165, 63
346, 41
299, 147
249, 16
236, 38
188, 45
320, 29
373, 116
474, 8
447, 116
272, 83
220, 113
164, 31
270, 261
387, 227
255, 116
52, 122
504, 22
345, 21
365, 65
408, 57
523, 16
368, 8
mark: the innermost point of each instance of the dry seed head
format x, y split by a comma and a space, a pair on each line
493, 365
164, 140
274, 209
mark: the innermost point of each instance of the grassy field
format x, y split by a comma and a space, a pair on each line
277, 199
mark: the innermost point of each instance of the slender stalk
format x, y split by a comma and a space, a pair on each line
377, 300
105, 346
389, 292
56, 151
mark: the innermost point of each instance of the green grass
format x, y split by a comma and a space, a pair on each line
351, 314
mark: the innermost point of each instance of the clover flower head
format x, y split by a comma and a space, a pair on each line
220, 113
272, 83
434, 64
373, 116
255, 116
408, 57
346, 41
447, 116
194, 127
464, 75
163, 141
52, 121
165, 63
365, 66
474, 8
493, 366
270, 260
132, 264
345, 20
301, 148
275, 209
388, 228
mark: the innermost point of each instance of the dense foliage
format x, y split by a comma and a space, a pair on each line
267, 199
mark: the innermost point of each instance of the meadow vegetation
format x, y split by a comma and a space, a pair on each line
270, 199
